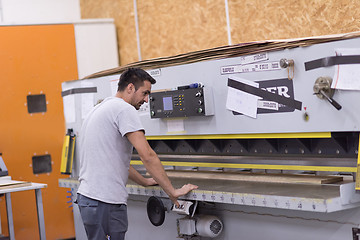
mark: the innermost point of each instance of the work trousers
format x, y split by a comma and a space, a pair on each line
103, 220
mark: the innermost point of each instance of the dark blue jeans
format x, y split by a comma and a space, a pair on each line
103, 220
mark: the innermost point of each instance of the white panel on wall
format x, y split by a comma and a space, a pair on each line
39, 11
1, 11
96, 46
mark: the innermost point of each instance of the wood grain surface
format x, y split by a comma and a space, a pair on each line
255, 177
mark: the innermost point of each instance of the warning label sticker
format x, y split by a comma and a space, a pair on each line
282, 87
254, 67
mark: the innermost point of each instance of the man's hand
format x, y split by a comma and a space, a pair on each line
139, 179
149, 182
181, 192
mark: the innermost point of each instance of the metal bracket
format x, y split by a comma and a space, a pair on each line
356, 233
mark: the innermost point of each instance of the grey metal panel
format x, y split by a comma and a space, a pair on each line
249, 223
322, 116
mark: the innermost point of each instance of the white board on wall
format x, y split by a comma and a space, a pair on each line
96, 46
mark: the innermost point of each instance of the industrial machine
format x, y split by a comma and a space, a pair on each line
269, 131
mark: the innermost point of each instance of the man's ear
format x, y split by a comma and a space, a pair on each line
130, 87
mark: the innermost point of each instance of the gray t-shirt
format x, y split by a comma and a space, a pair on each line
105, 151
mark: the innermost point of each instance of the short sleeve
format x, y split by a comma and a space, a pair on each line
128, 120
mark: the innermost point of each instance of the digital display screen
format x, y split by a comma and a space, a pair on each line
168, 105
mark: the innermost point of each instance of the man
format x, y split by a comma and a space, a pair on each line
107, 138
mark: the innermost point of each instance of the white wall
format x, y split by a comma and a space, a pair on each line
96, 46
39, 11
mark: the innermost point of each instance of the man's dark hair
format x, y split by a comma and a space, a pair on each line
135, 76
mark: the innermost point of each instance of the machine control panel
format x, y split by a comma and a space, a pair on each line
181, 103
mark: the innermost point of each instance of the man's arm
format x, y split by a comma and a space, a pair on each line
154, 167
139, 179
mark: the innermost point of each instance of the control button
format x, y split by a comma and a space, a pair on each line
200, 102
198, 94
152, 113
199, 110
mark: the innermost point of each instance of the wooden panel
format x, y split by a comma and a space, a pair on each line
166, 27
253, 20
228, 52
173, 27
35, 59
255, 177
6, 183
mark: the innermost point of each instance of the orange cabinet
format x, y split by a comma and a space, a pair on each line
34, 61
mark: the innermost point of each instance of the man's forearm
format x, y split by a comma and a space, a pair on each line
156, 170
136, 176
